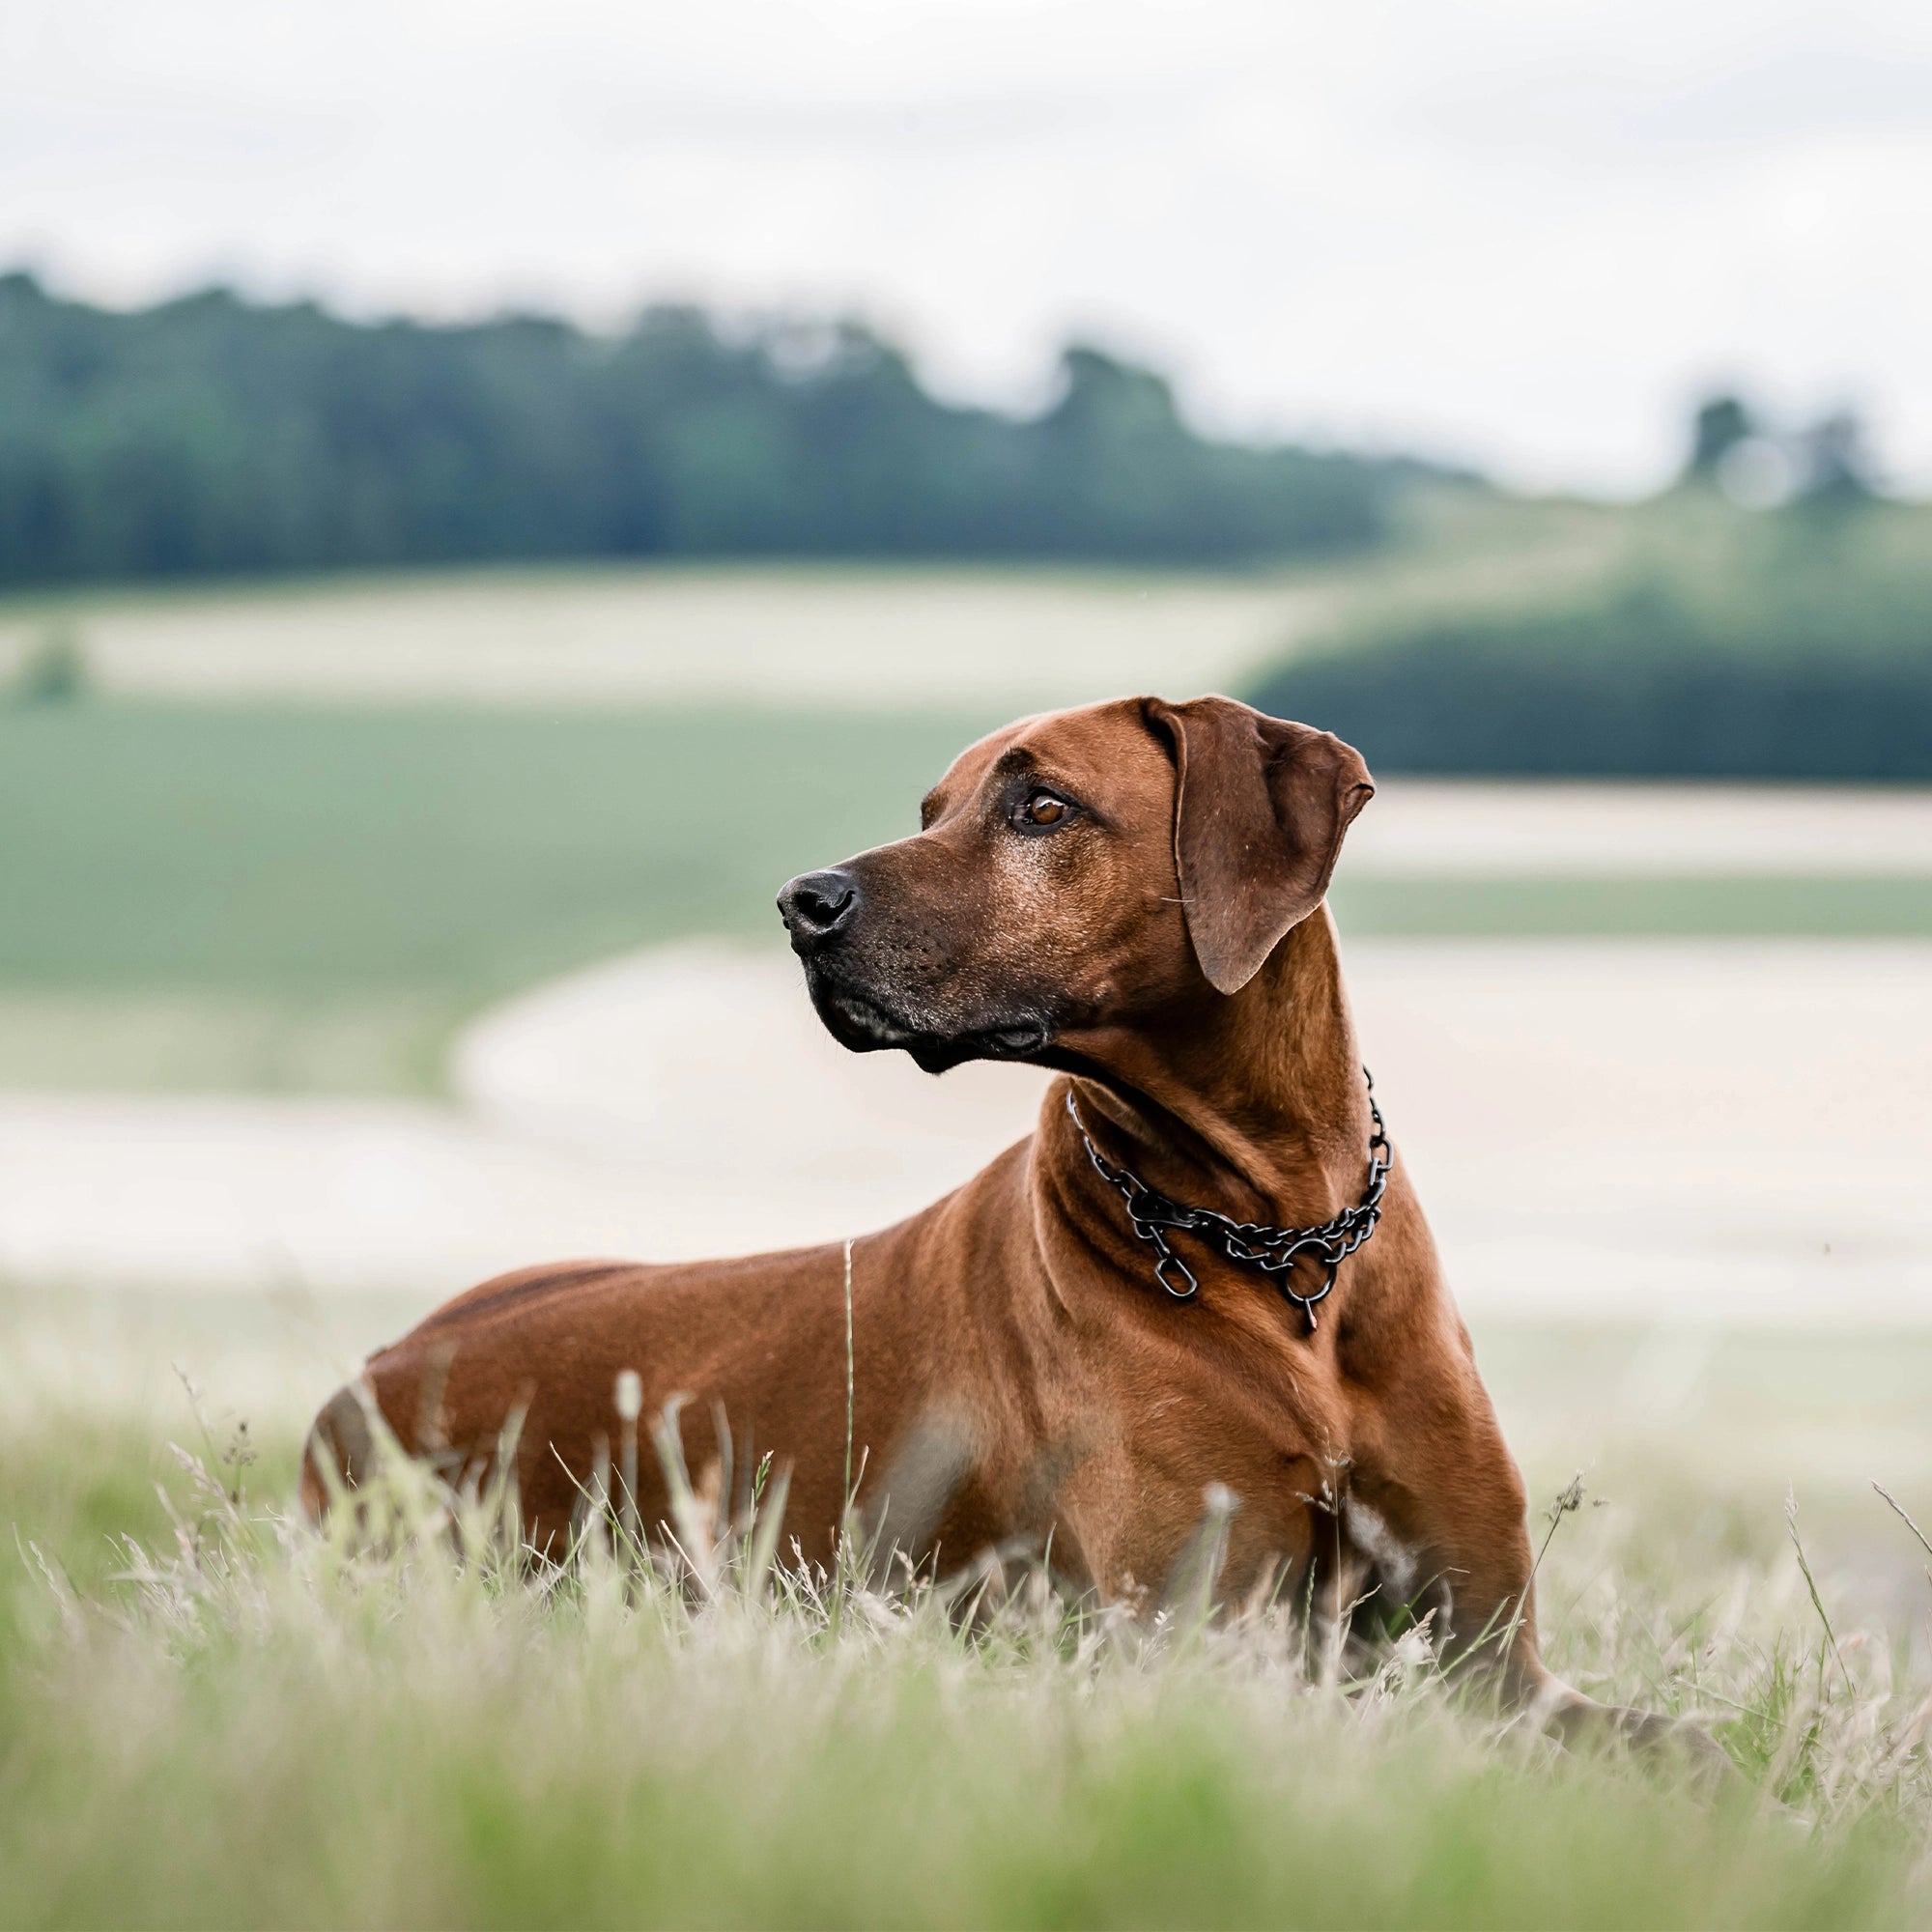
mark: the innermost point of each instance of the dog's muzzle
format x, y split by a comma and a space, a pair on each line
853, 977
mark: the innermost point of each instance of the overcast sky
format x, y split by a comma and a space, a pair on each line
1519, 232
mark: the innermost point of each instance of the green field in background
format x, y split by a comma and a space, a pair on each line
315, 852
305, 898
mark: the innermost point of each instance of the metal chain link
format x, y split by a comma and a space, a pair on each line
1274, 1251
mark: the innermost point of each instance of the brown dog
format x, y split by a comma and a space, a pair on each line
1132, 894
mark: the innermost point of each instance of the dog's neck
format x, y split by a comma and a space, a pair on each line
1253, 1103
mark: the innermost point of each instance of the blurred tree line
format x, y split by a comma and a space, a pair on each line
1802, 650
1795, 643
211, 434
1823, 463
1641, 685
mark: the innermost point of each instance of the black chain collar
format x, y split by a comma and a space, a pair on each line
1274, 1251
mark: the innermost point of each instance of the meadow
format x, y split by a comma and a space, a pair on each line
299, 879
287, 837
290, 838
212, 1716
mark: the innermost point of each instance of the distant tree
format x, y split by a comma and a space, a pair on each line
53, 670
1721, 425
210, 434
1833, 465
1808, 660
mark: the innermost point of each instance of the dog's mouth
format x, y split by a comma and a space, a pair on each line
862, 1023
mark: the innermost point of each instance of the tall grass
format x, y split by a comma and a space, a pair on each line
397, 1722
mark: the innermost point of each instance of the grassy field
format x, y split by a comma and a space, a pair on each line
896, 636
298, 832
306, 898
233, 1723
228, 897
825, 636
225, 1722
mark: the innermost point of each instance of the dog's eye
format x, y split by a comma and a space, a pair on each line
1041, 811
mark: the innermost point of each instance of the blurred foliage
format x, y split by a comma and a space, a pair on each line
1799, 648
211, 434
53, 671
1719, 426
1824, 461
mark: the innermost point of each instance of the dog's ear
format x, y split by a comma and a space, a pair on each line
1259, 806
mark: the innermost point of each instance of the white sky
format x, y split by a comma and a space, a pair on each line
1521, 232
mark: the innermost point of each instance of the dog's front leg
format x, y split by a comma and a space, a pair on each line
1457, 1493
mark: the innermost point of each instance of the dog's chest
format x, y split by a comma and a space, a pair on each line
1254, 1432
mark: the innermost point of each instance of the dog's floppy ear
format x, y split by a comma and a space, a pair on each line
1259, 806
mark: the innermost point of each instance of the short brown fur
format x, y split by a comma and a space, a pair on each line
1167, 948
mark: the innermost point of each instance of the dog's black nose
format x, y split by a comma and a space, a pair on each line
815, 905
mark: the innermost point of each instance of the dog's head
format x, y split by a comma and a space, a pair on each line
1078, 873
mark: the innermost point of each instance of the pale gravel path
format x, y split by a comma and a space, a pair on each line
1422, 827
1698, 1132
1016, 639
852, 640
